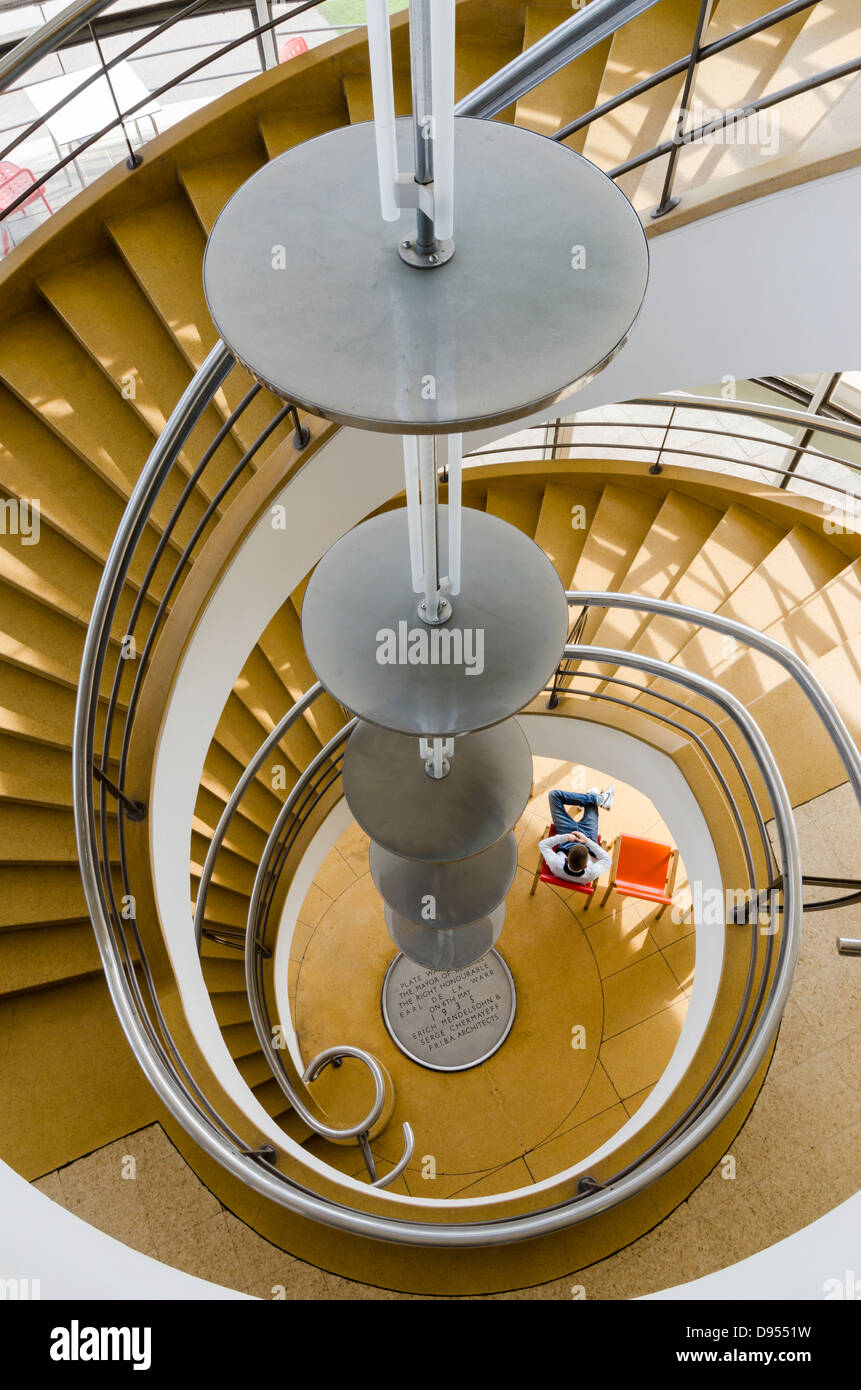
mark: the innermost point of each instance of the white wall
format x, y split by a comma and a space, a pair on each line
767, 288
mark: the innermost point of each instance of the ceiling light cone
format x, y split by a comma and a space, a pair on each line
445, 948
305, 284
456, 893
408, 812
374, 655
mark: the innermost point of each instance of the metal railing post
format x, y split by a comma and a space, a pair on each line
668, 202
134, 160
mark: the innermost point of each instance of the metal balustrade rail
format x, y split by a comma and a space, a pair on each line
100, 776
568, 41
550, 440
756, 900
313, 783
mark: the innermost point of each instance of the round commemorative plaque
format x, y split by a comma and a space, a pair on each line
449, 1020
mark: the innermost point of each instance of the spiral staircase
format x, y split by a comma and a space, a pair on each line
112, 372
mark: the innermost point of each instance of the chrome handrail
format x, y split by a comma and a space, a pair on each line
799, 419
568, 41
741, 1029
118, 122
262, 1026
716, 730
825, 708
47, 38
254, 947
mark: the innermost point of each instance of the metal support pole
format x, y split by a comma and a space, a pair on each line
434, 607
849, 946
134, 160
818, 401
426, 250
420, 58
657, 466
668, 202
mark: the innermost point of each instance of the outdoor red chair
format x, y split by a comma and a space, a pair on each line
543, 874
13, 182
292, 48
643, 869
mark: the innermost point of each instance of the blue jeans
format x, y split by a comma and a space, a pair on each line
588, 822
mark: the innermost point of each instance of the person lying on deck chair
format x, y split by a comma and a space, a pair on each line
573, 852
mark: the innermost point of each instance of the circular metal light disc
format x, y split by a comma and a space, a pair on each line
372, 652
445, 948
304, 281
451, 1020
462, 890
412, 814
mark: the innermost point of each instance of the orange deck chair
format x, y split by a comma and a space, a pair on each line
643, 869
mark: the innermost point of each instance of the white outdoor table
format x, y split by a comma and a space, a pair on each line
95, 108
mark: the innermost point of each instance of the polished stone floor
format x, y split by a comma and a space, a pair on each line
611, 968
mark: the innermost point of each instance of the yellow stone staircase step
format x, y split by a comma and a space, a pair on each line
37, 959
568, 93
103, 306
52, 568
618, 527
36, 834
791, 573
360, 101
727, 81
680, 530
32, 897
76, 500
244, 838
174, 286
41, 362
281, 130
239, 733
739, 543
230, 1008
211, 184
281, 643
640, 48
828, 621
268, 700
518, 507
563, 524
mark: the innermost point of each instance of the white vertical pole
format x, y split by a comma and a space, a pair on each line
429, 518
414, 525
442, 86
454, 446
382, 87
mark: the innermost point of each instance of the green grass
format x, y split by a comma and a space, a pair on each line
353, 11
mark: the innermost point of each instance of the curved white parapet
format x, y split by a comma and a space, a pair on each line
349, 476
627, 759
821, 1261
46, 1252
